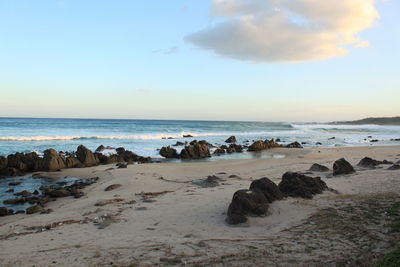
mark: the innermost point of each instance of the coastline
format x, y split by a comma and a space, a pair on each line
185, 222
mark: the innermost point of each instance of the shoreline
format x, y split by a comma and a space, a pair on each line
150, 221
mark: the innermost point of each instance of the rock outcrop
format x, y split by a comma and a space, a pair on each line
169, 152
195, 150
52, 161
86, 156
270, 190
294, 145
318, 168
231, 139
342, 166
295, 184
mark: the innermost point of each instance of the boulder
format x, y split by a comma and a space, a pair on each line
394, 167
22, 162
369, 163
268, 188
34, 209
219, 151
318, 168
272, 143
234, 148
341, 166
168, 152
294, 145
52, 161
73, 162
258, 146
112, 187
56, 193
24, 194
236, 219
11, 172
179, 144
86, 156
195, 151
246, 202
231, 139
4, 211
3, 162
295, 184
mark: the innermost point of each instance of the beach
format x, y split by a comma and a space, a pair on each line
158, 215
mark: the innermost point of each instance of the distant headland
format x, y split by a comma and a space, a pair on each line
378, 121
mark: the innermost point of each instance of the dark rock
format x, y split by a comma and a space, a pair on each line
258, 146
35, 192
341, 166
195, 151
56, 193
246, 202
187, 136
268, 188
179, 144
23, 162
331, 138
386, 162
3, 162
394, 167
374, 140
52, 161
168, 152
318, 168
318, 143
4, 211
14, 183
100, 148
11, 190
294, 145
34, 209
234, 148
369, 163
236, 219
112, 187
219, 151
231, 139
122, 165
86, 156
295, 184
210, 181
73, 162
15, 201
24, 194
46, 211
9, 171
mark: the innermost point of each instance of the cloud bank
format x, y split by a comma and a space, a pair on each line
285, 30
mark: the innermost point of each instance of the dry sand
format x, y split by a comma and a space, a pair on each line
184, 224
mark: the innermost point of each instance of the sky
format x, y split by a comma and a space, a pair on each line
257, 60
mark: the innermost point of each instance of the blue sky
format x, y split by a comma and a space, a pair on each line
166, 60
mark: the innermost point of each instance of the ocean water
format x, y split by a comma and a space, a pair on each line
144, 137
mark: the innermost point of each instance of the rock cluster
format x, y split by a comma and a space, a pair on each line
372, 163
20, 163
262, 192
195, 150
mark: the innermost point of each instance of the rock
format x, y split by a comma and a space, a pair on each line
34, 209
179, 144
231, 139
369, 163
341, 166
73, 162
122, 165
268, 188
219, 151
100, 148
24, 194
3, 162
294, 145
14, 183
195, 151
272, 143
52, 161
318, 168
112, 187
15, 201
210, 181
234, 148
258, 146
187, 136
246, 202
11, 190
236, 219
11, 172
86, 156
4, 211
22, 162
56, 193
295, 184
35, 192
168, 152
318, 144
332, 138
394, 167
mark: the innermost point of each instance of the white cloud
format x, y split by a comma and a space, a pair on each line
285, 30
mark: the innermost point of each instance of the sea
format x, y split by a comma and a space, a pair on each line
145, 137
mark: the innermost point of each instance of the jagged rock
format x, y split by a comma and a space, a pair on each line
219, 151
246, 202
258, 146
73, 162
3, 162
394, 167
52, 161
168, 152
22, 162
341, 166
234, 148
11, 172
34, 209
86, 156
112, 187
56, 193
268, 188
195, 151
295, 184
272, 143
11, 190
179, 144
369, 163
14, 183
294, 145
100, 148
24, 194
4, 211
231, 139
318, 168
187, 136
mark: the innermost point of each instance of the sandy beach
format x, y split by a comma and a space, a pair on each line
159, 217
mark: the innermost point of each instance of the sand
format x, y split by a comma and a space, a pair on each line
183, 223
